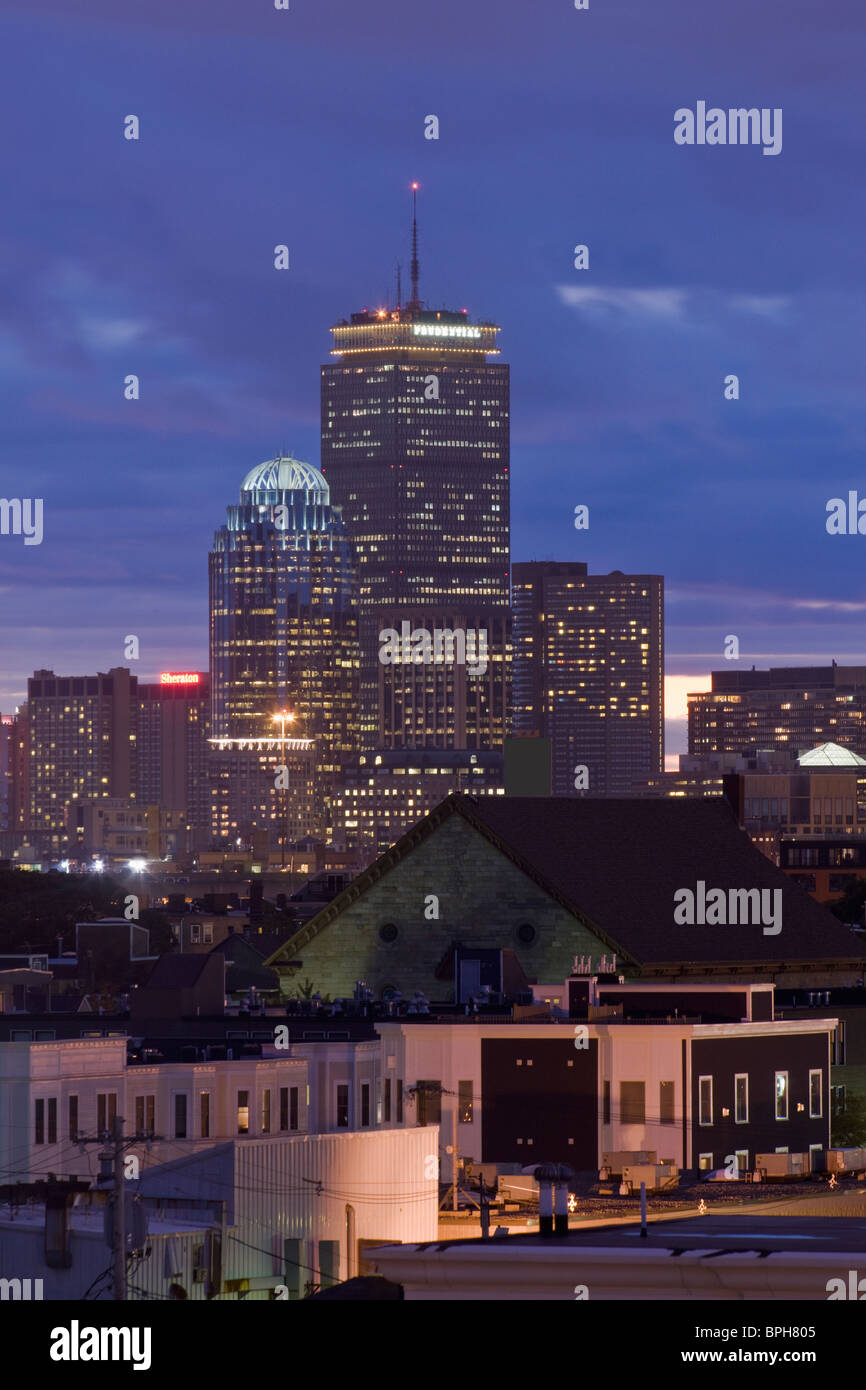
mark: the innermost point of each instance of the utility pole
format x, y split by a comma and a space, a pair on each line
119, 1294
485, 1208
454, 1156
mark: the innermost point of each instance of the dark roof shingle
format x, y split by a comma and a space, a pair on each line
620, 862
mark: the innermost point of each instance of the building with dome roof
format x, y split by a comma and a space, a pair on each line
283, 638
281, 475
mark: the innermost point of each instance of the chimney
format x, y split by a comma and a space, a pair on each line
553, 1180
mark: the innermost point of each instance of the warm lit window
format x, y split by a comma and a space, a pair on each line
465, 1101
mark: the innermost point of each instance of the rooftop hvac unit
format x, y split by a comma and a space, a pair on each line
612, 1164
657, 1176
794, 1166
519, 1187
844, 1160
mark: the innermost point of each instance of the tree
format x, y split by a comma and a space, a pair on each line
848, 1129
850, 906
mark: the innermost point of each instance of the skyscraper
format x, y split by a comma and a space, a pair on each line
415, 448
283, 637
783, 708
588, 672
173, 728
7, 759
110, 737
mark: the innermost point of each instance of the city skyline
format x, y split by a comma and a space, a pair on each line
433, 667
617, 372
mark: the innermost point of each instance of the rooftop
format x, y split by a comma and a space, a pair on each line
711, 1235
831, 755
284, 474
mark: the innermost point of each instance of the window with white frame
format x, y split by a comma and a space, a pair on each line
741, 1098
781, 1095
342, 1105
816, 1094
705, 1100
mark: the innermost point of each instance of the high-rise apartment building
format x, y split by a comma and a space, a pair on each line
283, 642
589, 672
80, 740
81, 746
782, 708
7, 760
415, 448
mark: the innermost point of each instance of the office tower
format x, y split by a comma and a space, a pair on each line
782, 708
173, 730
457, 697
588, 673
81, 746
415, 447
267, 792
283, 639
383, 794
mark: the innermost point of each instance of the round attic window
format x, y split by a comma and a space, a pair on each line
526, 934
388, 933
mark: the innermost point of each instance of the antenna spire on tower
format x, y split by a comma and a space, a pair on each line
415, 302
399, 286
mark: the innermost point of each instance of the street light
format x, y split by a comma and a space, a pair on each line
283, 718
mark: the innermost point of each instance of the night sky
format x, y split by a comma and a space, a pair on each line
261, 127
